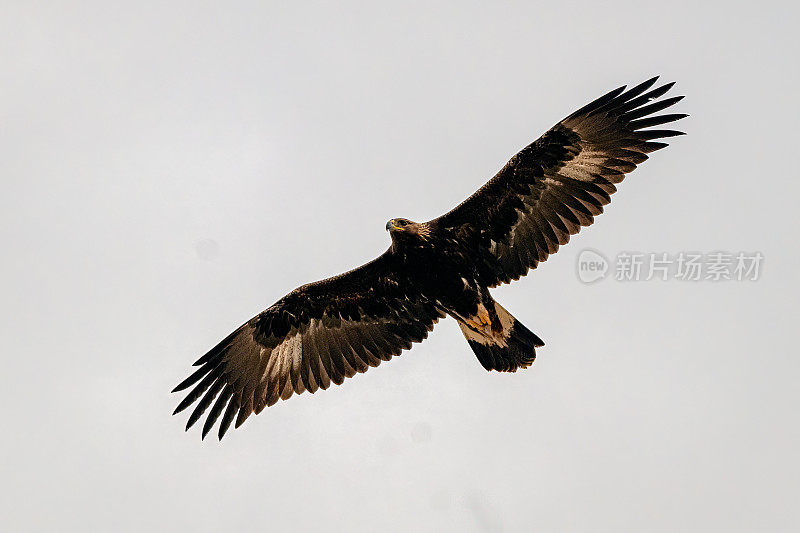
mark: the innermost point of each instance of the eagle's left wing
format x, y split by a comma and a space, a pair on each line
316, 335
560, 182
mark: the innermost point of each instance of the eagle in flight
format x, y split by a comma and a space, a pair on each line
324, 332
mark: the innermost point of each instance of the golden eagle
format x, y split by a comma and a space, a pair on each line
326, 331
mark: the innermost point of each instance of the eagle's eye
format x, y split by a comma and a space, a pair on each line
401, 222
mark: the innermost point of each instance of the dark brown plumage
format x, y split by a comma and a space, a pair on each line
323, 332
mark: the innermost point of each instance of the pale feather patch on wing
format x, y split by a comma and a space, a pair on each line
559, 183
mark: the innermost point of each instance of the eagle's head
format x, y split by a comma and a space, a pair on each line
404, 229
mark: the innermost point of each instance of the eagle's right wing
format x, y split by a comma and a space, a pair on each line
319, 333
561, 181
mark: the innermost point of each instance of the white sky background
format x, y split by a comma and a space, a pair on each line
168, 171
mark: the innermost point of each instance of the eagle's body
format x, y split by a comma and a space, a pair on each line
325, 331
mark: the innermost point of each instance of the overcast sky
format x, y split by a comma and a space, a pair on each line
171, 169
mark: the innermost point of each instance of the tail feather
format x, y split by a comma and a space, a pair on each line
506, 350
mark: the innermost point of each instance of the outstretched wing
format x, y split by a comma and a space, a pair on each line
317, 334
560, 182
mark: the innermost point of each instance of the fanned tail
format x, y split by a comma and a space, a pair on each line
504, 347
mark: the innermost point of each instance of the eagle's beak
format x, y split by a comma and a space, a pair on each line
390, 225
